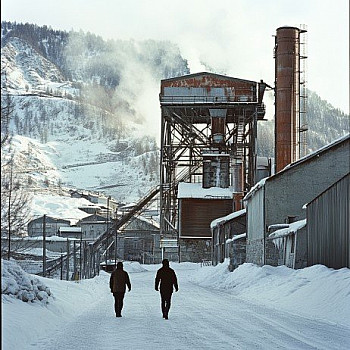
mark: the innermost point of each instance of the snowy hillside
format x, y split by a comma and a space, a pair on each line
62, 139
325, 124
85, 112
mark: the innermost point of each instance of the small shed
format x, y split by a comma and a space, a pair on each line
198, 207
140, 241
226, 237
237, 250
70, 232
52, 225
290, 242
93, 226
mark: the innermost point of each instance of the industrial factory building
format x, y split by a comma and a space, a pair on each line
280, 198
208, 154
209, 162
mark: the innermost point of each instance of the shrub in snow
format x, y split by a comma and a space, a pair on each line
18, 284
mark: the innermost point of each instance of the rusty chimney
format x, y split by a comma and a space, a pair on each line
218, 125
287, 95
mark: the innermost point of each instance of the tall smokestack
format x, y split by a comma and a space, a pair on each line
287, 90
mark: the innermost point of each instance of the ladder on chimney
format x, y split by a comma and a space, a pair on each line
240, 136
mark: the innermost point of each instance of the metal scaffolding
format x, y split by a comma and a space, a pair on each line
193, 109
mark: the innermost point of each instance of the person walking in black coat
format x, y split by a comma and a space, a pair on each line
117, 283
168, 280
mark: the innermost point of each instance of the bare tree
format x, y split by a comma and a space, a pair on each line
7, 108
14, 205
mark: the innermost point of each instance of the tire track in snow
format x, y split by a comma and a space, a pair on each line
199, 318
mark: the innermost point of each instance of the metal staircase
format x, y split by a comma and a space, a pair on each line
240, 136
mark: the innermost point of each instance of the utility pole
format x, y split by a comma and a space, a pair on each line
115, 242
44, 245
80, 257
74, 260
61, 259
67, 272
9, 215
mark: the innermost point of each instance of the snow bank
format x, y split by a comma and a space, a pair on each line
15, 283
317, 291
68, 300
133, 266
174, 265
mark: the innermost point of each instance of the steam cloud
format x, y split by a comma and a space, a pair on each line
124, 76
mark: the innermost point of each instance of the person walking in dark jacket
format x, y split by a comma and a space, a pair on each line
168, 280
117, 283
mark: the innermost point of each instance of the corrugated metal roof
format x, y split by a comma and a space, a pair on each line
228, 217
197, 75
291, 229
302, 160
315, 153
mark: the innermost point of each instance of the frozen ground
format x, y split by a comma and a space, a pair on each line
251, 308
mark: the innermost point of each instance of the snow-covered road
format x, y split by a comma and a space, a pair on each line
200, 318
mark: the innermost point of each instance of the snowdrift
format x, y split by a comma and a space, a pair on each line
18, 284
316, 292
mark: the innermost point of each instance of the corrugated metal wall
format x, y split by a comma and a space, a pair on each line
328, 226
256, 228
197, 214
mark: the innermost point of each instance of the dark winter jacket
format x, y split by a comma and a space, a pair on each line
119, 280
167, 278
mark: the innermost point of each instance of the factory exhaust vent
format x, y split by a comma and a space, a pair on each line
290, 95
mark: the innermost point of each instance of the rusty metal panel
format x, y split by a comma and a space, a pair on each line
216, 171
287, 56
207, 86
197, 214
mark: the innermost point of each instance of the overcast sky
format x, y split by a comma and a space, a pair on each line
234, 37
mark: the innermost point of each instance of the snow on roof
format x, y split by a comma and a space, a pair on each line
149, 221
195, 190
277, 226
292, 228
128, 206
226, 218
40, 238
255, 188
236, 237
261, 183
90, 206
70, 229
59, 206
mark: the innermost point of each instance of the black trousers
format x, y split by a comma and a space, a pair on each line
118, 302
166, 303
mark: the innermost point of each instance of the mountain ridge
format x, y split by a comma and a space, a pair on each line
85, 103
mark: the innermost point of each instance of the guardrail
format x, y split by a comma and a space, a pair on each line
205, 99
